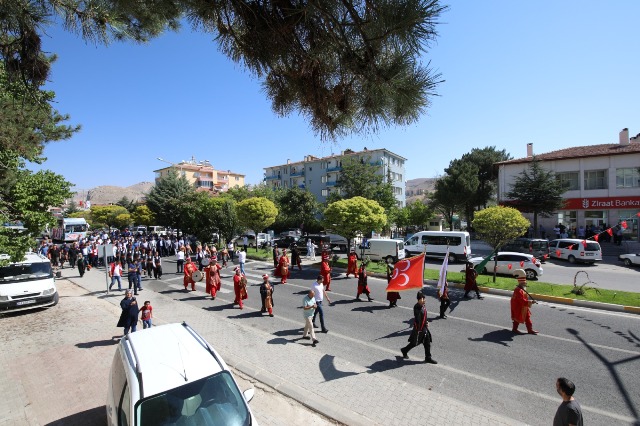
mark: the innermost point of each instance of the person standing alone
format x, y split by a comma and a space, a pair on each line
569, 412
320, 294
309, 308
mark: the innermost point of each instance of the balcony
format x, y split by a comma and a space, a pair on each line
272, 177
295, 174
301, 186
333, 169
331, 183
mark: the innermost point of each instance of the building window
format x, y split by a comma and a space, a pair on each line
569, 180
628, 178
325, 192
237, 178
595, 179
323, 179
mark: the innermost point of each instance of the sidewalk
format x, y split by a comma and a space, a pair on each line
359, 397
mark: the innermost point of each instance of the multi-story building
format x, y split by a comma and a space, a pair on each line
320, 175
203, 176
603, 183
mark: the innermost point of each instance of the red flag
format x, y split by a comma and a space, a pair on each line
558, 253
624, 224
610, 232
408, 274
522, 263
584, 243
509, 266
595, 237
638, 214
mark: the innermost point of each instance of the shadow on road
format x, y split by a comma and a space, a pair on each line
94, 416
370, 308
329, 371
501, 337
390, 364
108, 342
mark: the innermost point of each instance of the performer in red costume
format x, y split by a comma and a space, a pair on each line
282, 271
363, 286
240, 287
392, 296
521, 305
325, 271
212, 278
470, 283
189, 268
352, 263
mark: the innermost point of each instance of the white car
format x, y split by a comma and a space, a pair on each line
630, 259
28, 284
170, 375
575, 250
509, 262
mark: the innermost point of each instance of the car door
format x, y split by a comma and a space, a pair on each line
502, 263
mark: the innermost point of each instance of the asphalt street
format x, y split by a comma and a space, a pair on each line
480, 360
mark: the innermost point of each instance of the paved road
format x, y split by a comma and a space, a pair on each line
480, 361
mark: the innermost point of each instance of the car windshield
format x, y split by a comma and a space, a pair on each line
213, 400
25, 271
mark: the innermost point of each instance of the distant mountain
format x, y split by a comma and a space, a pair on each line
108, 194
415, 189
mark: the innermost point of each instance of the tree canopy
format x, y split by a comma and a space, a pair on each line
536, 191
455, 189
256, 213
108, 215
297, 208
167, 197
355, 215
361, 178
142, 215
348, 66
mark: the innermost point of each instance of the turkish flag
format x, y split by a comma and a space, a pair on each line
522, 263
509, 266
408, 274
638, 214
558, 253
584, 243
610, 231
624, 224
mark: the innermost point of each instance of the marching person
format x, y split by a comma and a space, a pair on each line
363, 286
189, 268
276, 256
420, 333
242, 258
282, 271
470, 283
295, 257
521, 305
212, 277
309, 308
392, 296
157, 266
240, 287
320, 294
266, 293
352, 263
81, 266
443, 295
115, 273
179, 261
131, 275
129, 316
325, 271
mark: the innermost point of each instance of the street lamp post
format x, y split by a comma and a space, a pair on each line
179, 165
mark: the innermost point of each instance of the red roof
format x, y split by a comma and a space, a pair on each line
603, 150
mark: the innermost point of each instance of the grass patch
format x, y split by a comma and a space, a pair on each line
259, 255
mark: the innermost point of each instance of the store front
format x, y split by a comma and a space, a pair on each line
603, 212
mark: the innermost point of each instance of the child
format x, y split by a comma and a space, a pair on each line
147, 314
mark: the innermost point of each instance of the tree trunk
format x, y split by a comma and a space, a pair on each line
536, 231
495, 267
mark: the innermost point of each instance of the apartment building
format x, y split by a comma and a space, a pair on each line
202, 175
603, 183
320, 175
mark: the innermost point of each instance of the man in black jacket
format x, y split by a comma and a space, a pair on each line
420, 333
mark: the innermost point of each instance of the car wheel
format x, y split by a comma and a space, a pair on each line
627, 262
56, 298
452, 258
531, 274
572, 259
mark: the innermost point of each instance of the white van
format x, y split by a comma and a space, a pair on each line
170, 375
28, 284
575, 250
437, 242
158, 230
381, 248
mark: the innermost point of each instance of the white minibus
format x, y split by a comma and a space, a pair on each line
383, 249
435, 244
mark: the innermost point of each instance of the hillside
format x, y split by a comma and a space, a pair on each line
417, 188
108, 194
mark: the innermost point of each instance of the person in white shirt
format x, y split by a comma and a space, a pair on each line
242, 257
115, 273
320, 294
180, 262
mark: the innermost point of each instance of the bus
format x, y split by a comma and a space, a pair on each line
70, 229
436, 243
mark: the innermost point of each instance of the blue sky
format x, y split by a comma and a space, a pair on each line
553, 73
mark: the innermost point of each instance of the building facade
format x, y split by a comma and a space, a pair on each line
320, 175
203, 176
603, 183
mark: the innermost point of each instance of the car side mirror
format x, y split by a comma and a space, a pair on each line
248, 394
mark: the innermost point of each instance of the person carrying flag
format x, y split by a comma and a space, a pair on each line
470, 283
443, 295
420, 333
325, 271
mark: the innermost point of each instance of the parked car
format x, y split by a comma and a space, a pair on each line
630, 259
141, 230
537, 247
170, 375
27, 284
321, 242
158, 230
383, 249
285, 242
575, 250
338, 242
509, 262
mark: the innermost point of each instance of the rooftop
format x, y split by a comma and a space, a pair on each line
332, 156
603, 150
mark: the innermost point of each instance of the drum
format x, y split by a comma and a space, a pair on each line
206, 261
197, 276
